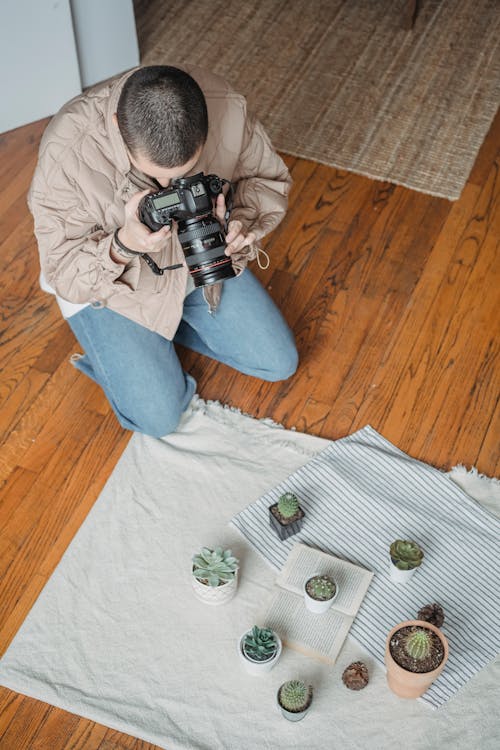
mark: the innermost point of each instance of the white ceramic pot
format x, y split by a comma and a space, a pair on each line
215, 595
292, 715
317, 606
257, 668
400, 576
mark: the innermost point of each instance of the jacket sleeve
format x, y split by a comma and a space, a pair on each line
74, 249
262, 182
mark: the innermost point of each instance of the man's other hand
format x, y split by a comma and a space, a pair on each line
236, 239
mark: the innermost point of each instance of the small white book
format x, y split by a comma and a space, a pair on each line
320, 636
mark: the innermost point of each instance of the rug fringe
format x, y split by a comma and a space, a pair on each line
231, 415
462, 470
199, 404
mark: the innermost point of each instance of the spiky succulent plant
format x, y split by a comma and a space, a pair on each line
295, 695
321, 588
418, 643
260, 644
405, 554
288, 504
215, 567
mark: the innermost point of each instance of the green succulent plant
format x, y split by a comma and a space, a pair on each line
418, 644
288, 504
216, 567
295, 695
321, 588
260, 644
405, 554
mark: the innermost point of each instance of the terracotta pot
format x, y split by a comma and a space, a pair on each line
404, 683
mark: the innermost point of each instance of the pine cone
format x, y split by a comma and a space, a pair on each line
432, 613
355, 676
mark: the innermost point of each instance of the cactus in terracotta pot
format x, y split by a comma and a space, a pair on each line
415, 655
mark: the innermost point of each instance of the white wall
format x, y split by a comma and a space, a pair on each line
50, 49
38, 62
106, 38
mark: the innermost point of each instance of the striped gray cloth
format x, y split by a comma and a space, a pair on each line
359, 494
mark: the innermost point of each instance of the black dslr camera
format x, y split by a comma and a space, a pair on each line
188, 200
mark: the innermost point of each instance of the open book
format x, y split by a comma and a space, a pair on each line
320, 636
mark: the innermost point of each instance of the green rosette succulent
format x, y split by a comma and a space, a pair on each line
406, 554
295, 695
260, 644
215, 567
288, 504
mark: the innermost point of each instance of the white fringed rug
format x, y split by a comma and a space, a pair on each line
118, 637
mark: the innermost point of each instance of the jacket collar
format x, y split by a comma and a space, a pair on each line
122, 162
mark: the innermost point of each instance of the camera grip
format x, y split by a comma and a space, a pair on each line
146, 217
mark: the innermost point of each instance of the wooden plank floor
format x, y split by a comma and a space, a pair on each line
394, 299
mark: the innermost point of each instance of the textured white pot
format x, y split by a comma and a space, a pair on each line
257, 668
291, 715
400, 576
215, 595
315, 605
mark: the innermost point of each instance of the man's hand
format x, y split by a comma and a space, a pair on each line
235, 238
135, 235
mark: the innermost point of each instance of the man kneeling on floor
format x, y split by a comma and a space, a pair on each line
130, 200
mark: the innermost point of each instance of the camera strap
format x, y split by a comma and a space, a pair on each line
229, 202
149, 260
155, 268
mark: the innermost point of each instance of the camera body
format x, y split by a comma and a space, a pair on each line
185, 198
189, 201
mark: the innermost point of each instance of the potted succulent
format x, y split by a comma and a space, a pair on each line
215, 575
406, 556
294, 699
259, 650
319, 593
286, 516
415, 655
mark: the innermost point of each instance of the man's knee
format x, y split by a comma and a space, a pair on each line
284, 364
155, 422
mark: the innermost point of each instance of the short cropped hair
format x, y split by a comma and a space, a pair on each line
162, 115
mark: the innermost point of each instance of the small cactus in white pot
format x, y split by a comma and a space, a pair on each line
215, 575
320, 592
294, 699
259, 650
406, 557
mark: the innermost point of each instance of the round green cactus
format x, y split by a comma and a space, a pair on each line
405, 554
418, 644
295, 695
260, 644
321, 588
216, 567
288, 504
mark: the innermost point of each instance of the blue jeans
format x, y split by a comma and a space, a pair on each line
140, 371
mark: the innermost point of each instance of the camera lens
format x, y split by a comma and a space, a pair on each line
203, 245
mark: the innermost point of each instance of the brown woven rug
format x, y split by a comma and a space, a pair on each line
341, 82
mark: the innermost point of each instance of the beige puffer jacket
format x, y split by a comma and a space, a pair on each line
84, 178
